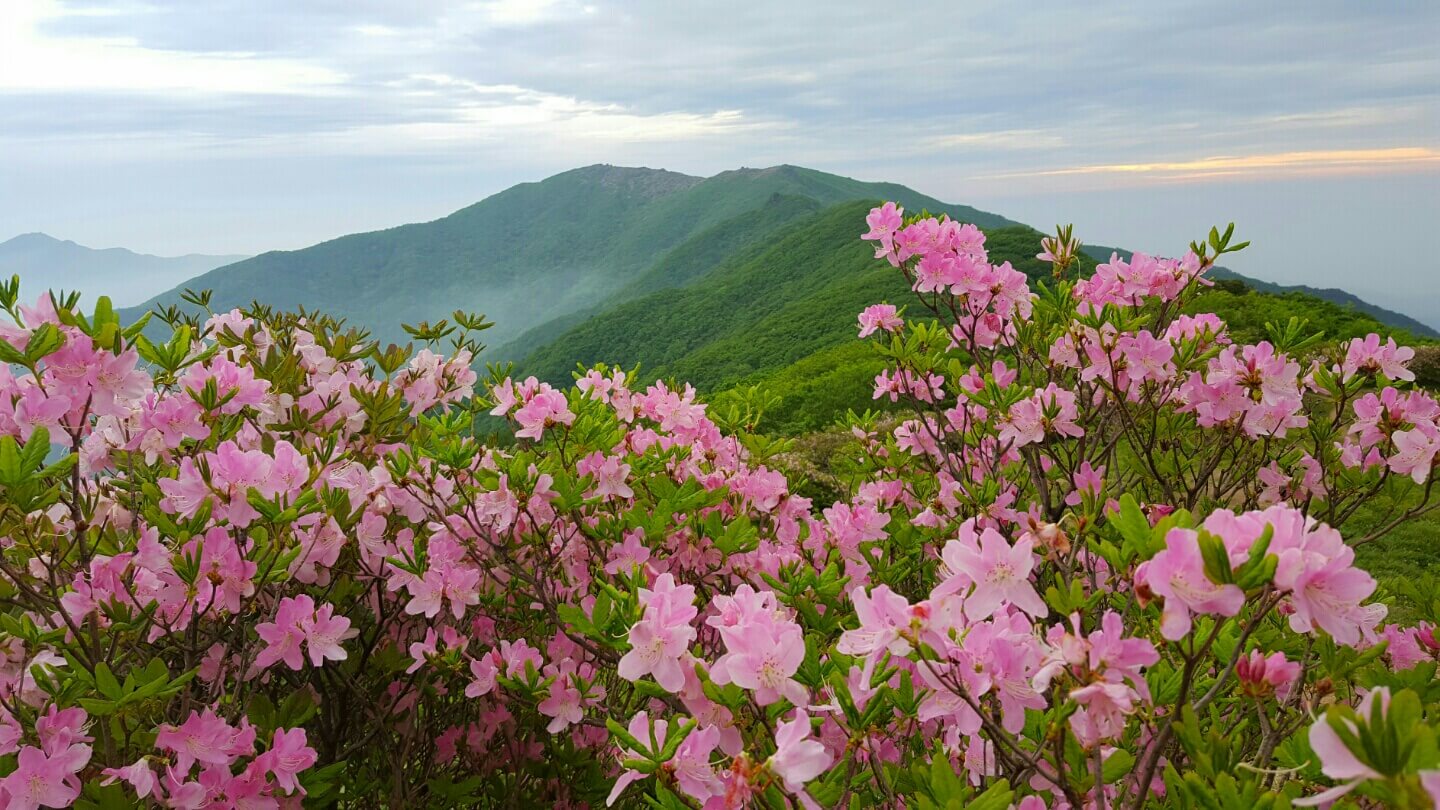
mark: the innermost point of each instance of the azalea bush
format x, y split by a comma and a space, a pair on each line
1101, 558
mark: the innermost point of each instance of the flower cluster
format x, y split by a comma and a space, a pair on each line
1096, 557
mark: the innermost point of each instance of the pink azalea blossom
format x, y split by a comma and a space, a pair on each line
289, 755
998, 572
663, 635
41, 780
1178, 575
798, 759
1337, 761
879, 317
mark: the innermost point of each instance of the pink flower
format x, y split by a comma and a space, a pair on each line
289, 754
1178, 574
1415, 452
1315, 567
626, 555
483, 673
544, 410
564, 702
446, 580
610, 474
690, 764
296, 621
1089, 482
884, 222
1147, 357
1261, 675
1051, 410
519, 658
138, 775
323, 634
1057, 249
662, 636
40, 780
883, 615
205, 738
34, 409
1368, 355
999, 572
1337, 761
879, 317
797, 758
763, 648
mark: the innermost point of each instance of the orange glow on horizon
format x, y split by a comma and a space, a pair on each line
1330, 161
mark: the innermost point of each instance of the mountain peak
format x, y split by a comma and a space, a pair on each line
782, 170
635, 179
34, 239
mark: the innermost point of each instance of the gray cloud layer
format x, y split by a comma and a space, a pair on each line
238, 125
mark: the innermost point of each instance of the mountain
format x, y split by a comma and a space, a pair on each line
44, 262
755, 311
1339, 297
539, 251
749, 276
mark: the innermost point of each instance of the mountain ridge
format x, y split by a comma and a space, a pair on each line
127, 276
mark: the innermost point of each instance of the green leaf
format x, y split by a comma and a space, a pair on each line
1217, 559
107, 684
43, 341
1116, 765
625, 737
1132, 525
10, 354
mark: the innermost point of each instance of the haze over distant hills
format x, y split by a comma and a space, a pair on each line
715, 279
44, 262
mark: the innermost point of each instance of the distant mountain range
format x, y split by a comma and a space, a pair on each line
1331, 294
45, 263
745, 276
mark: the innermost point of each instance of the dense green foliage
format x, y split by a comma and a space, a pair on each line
1247, 311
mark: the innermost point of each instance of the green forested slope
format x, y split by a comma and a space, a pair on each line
733, 240
758, 313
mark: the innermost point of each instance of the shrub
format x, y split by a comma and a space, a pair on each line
1093, 558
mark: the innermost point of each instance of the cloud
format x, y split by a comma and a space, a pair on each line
1287, 164
1010, 139
962, 98
32, 61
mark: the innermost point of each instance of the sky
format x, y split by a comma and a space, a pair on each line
238, 126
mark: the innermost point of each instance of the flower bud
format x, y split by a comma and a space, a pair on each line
1427, 638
